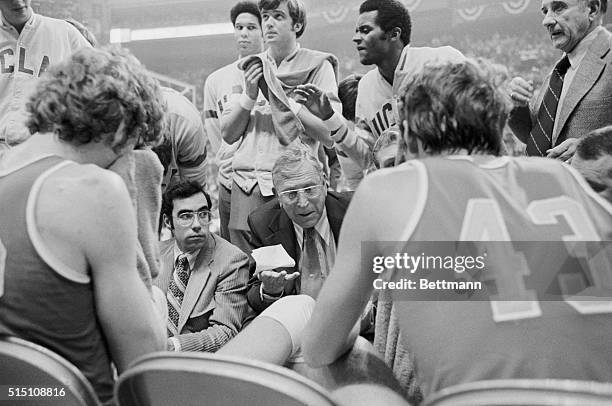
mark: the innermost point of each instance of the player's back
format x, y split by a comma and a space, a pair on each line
537, 203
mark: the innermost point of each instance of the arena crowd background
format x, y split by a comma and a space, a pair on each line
198, 36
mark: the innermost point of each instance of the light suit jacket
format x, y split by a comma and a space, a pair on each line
215, 305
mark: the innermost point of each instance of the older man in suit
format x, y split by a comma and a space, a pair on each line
203, 276
305, 219
577, 96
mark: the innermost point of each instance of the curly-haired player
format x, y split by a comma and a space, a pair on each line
67, 226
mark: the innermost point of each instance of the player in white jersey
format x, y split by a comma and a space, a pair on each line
29, 43
382, 37
219, 86
528, 322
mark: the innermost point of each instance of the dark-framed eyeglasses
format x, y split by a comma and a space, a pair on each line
185, 219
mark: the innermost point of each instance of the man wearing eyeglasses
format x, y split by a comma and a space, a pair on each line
305, 219
203, 276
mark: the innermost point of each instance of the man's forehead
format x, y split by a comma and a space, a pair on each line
301, 179
367, 18
246, 18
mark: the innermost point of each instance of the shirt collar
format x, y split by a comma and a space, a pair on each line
322, 227
577, 54
285, 59
191, 257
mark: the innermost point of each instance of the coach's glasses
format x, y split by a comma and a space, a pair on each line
185, 219
310, 192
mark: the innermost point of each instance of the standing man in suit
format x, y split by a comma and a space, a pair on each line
576, 97
305, 219
203, 276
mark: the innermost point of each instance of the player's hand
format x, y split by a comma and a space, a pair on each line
252, 74
315, 100
564, 151
273, 282
520, 91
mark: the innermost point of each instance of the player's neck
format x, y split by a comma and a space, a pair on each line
388, 65
280, 51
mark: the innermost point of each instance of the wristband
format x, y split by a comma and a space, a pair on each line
246, 102
334, 122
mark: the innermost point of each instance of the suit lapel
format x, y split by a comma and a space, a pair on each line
283, 233
167, 257
197, 280
588, 73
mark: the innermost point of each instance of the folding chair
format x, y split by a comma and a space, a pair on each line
533, 392
25, 364
163, 379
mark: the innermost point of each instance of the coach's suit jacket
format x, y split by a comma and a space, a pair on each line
270, 225
214, 306
588, 102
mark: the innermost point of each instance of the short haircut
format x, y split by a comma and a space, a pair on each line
297, 11
90, 95
391, 14
595, 144
88, 35
181, 190
347, 93
291, 161
453, 106
244, 7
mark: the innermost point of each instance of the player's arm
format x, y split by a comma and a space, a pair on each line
324, 79
332, 328
236, 116
104, 228
230, 310
190, 141
356, 144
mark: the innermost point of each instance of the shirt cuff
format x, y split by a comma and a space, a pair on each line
177, 344
265, 297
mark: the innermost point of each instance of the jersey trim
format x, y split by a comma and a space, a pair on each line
37, 241
415, 217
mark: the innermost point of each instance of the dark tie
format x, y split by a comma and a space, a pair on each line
540, 139
312, 273
176, 292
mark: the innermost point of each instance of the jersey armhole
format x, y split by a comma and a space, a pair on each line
423, 185
37, 241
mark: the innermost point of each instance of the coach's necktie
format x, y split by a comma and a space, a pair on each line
176, 292
540, 139
313, 272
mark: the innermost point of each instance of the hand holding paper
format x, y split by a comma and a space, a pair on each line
269, 259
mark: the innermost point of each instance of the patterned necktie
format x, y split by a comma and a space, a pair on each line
313, 274
176, 292
541, 134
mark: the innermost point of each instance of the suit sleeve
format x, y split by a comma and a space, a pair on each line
230, 311
520, 123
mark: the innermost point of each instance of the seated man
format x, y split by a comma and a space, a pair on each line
593, 159
67, 227
305, 219
203, 276
521, 322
